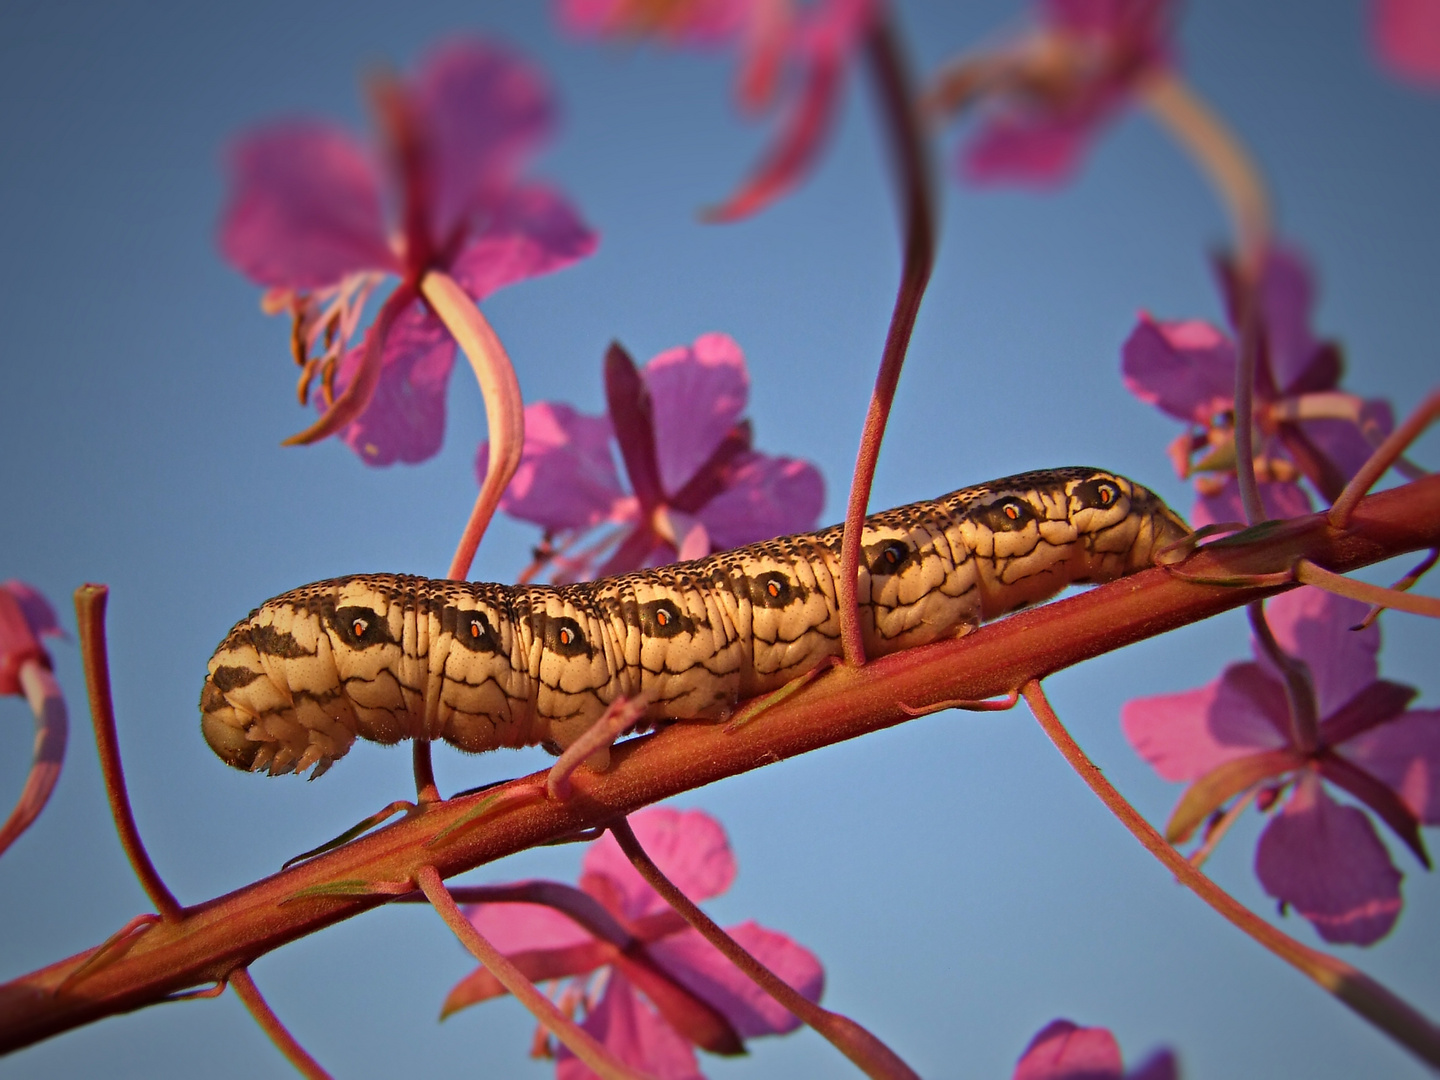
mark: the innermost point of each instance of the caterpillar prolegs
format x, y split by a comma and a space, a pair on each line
389, 656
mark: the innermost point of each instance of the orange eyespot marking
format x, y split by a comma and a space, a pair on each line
474, 630
662, 617
891, 557
358, 627
566, 636
1012, 512
773, 588
1107, 494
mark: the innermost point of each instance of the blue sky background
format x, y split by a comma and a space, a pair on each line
959, 883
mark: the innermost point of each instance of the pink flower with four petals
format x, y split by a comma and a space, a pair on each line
1241, 734
697, 485
1309, 428
691, 849
305, 217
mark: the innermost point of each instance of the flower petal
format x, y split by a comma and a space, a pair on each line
633, 1033
1314, 625
304, 207
19, 642
533, 231
1063, 1050
1325, 861
701, 967
764, 497
514, 928
1184, 736
37, 610
697, 393
486, 112
1185, 369
1407, 38
1015, 147
1286, 298
1280, 501
1160, 1065
567, 477
689, 847
1405, 754
1346, 444
405, 420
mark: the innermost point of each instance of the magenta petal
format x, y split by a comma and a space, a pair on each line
566, 478
1345, 443
1185, 369
696, 23
1407, 38
1279, 501
1405, 754
697, 393
1064, 1051
1184, 736
1314, 625
635, 1034
304, 207
702, 968
1160, 1065
516, 928
37, 610
1286, 297
764, 497
18, 644
1325, 861
405, 420
533, 232
688, 846
1015, 148
486, 111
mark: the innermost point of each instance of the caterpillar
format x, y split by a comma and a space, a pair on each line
388, 657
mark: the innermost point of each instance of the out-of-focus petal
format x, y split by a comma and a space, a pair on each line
1407, 38
1280, 501
1065, 1051
635, 1034
693, 23
486, 111
766, 497
37, 610
405, 420
514, 928
18, 642
1286, 298
1160, 1065
1405, 754
697, 393
304, 207
1185, 369
688, 846
533, 231
1018, 148
1325, 861
701, 967
1345, 443
1314, 625
566, 478
1184, 736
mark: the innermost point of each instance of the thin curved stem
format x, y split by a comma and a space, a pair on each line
1388, 1012
246, 990
1299, 686
52, 727
579, 1041
90, 617
1307, 572
908, 149
1385, 455
873, 1057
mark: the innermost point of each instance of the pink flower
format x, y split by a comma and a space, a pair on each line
804, 50
697, 485
305, 218
1406, 34
1308, 428
1064, 1051
691, 849
1052, 92
25, 670
1241, 734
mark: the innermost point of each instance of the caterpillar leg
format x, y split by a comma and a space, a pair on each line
757, 705
593, 745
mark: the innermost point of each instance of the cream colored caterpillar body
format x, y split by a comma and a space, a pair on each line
389, 657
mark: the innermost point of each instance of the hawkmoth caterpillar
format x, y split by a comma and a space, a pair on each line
388, 657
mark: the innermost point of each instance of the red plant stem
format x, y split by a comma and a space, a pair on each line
1385, 455
580, 1042
426, 790
215, 937
1374, 1002
90, 617
1299, 689
873, 1057
246, 990
908, 150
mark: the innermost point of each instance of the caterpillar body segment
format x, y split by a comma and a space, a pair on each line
388, 657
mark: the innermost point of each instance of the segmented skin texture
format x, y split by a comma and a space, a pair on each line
389, 657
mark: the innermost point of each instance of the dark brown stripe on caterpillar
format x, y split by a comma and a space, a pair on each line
389, 657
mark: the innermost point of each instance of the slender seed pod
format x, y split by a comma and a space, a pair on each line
388, 657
